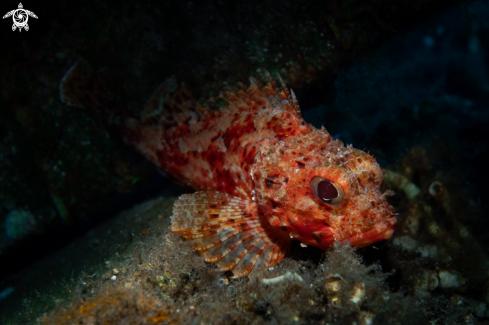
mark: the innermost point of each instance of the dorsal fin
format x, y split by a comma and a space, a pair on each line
295, 104
289, 97
235, 102
256, 83
272, 84
278, 98
284, 87
172, 103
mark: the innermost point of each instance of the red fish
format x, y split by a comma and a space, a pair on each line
263, 175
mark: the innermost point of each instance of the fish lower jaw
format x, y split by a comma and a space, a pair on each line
382, 231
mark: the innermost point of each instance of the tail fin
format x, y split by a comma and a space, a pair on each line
80, 87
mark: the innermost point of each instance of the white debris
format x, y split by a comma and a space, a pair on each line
450, 280
366, 318
406, 242
402, 182
287, 276
358, 295
428, 251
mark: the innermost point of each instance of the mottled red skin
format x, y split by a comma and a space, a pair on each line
363, 218
256, 137
256, 147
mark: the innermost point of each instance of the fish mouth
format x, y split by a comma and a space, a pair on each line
381, 231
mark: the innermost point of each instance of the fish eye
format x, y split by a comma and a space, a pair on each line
327, 191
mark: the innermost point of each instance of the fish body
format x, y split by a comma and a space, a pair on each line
263, 175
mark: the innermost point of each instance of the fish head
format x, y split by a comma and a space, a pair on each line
322, 196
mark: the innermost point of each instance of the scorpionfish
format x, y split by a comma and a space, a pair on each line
263, 176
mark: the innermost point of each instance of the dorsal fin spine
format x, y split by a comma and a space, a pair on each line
284, 88
295, 104
272, 82
256, 83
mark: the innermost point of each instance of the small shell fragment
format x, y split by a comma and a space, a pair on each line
436, 189
287, 276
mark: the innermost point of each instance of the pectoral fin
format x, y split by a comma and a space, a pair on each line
229, 231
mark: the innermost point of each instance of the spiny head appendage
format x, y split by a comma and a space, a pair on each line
284, 96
